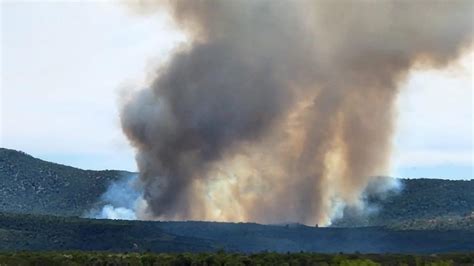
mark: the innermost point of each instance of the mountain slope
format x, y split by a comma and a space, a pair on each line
31, 185
419, 201
428, 198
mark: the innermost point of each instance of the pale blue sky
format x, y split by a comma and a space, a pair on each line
63, 66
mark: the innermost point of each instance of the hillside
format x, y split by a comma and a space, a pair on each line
425, 216
428, 198
40, 233
433, 202
31, 185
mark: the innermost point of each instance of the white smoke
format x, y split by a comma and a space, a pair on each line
120, 213
379, 189
120, 201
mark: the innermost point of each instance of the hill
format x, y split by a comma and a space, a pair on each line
41, 233
432, 202
31, 185
425, 216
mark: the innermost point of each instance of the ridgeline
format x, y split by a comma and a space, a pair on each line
40, 205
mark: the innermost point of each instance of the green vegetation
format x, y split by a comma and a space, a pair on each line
39, 232
437, 223
50, 233
38, 198
421, 204
222, 258
31, 185
427, 199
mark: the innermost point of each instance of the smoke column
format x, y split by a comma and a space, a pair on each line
281, 110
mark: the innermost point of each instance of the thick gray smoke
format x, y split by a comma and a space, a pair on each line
281, 110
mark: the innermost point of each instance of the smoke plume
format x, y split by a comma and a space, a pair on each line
281, 110
121, 201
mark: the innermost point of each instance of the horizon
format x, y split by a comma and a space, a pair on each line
136, 172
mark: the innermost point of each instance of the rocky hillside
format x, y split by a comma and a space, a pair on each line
31, 185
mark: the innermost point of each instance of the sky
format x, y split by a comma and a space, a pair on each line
65, 65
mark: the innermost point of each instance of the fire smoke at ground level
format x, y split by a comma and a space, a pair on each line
281, 110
